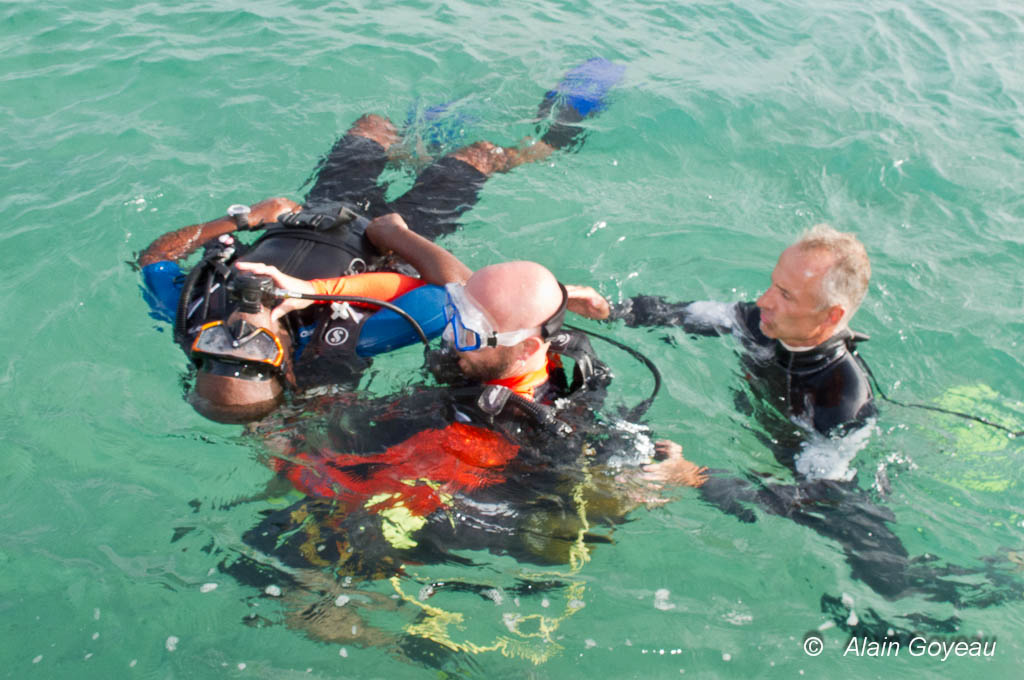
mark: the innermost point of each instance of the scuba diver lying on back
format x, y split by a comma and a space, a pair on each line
245, 355
328, 237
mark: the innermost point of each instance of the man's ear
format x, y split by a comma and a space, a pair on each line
529, 347
835, 314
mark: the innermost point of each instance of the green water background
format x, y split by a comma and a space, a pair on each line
738, 124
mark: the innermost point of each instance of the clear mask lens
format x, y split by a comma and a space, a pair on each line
469, 328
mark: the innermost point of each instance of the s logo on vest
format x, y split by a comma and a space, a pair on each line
336, 336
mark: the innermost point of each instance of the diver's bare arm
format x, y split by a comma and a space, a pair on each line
587, 302
182, 242
435, 264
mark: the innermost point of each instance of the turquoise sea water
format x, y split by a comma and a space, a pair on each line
738, 124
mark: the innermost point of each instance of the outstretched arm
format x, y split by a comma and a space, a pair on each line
702, 318
436, 265
182, 242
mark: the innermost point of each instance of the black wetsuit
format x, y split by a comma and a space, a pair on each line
826, 390
349, 173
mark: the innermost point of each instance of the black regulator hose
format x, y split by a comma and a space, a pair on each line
184, 299
362, 300
642, 407
938, 409
542, 414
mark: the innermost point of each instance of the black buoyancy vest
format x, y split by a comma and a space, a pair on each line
315, 246
305, 245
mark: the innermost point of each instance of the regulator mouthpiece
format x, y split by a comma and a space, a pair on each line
252, 291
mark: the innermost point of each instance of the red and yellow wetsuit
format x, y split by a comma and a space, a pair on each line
418, 473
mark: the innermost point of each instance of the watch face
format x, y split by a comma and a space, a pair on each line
240, 214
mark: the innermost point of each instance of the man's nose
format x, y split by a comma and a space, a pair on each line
763, 301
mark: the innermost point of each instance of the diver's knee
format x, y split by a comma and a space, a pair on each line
375, 127
485, 157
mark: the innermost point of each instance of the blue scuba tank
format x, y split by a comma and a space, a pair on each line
386, 330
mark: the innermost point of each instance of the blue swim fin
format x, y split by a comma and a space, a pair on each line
580, 94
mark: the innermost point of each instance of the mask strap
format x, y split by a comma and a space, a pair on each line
553, 324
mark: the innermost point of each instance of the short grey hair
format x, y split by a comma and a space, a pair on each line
846, 281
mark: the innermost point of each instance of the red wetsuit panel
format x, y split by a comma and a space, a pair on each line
416, 472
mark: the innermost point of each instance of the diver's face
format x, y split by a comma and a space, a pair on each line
791, 308
226, 398
488, 363
262, 319
237, 392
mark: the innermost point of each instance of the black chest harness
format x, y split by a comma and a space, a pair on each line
305, 245
492, 404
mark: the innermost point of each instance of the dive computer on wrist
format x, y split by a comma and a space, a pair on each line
239, 212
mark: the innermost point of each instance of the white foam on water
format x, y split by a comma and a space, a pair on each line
661, 600
829, 458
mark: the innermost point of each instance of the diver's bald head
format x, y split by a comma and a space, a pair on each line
516, 294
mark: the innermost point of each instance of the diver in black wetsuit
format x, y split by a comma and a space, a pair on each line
327, 237
509, 456
825, 387
800, 357
802, 368
467, 465
796, 336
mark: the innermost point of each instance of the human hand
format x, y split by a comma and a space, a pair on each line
673, 468
267, 210
643, 486
281, 280
587, 302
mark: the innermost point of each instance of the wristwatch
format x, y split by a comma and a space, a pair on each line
239, 212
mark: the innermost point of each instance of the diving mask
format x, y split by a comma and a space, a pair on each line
241, 344
468, 326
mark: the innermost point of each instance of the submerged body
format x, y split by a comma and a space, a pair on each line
816, 411
440, 470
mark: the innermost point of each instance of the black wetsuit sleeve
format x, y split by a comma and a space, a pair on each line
701, 318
